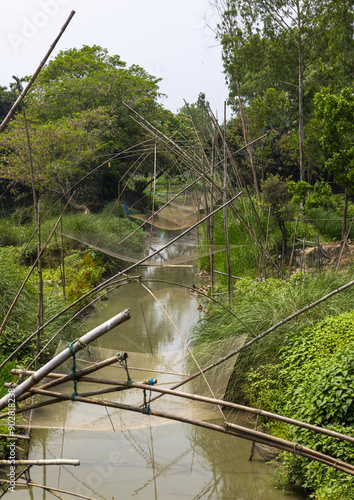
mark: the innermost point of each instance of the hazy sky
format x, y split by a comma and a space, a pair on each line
168, 38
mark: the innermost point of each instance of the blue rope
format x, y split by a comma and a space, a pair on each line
151, 382
73, 370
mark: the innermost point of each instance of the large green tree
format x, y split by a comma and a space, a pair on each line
336, 112
291, 45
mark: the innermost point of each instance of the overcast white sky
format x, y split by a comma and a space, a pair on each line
168, 38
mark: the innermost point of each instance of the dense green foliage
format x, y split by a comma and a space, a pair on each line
76, 120
304, 369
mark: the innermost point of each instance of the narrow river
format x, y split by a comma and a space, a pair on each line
138, 456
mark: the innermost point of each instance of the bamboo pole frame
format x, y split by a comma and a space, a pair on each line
44, 462
120, 384
228, 428
77, 345
47, 488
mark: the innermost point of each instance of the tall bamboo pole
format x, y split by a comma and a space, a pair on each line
153, 196
35, 74
249, 149
37, 218
226, 225
211, 223
40, 283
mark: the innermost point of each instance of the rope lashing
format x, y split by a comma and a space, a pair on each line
73, 368
122, 358
146, 406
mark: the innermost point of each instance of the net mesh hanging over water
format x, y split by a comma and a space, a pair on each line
168, 367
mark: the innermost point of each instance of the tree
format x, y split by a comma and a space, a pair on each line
7, 99
282, 44
337, 115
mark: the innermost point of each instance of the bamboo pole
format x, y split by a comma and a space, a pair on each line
303, 259
211, 220
37, 217
249, 149
54, 461
65, 354
254, 442
40, 285
196, 397
225, 274
226, 225
15, 436
61, 378
47, 488
290, 447
229, 428
241, 182
77, 313
293, 250
266, 332
35, 74
153, 195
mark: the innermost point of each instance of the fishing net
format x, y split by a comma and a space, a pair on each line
168, 367
109, 244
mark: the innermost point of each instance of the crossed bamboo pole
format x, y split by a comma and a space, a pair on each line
121, 385
75, 346
227, 428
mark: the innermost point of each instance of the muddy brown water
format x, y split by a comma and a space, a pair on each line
164, 462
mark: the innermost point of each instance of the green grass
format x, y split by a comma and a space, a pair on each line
260, 305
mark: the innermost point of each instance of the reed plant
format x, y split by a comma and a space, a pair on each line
328, 222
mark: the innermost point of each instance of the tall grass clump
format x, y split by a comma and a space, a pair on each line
260, 305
